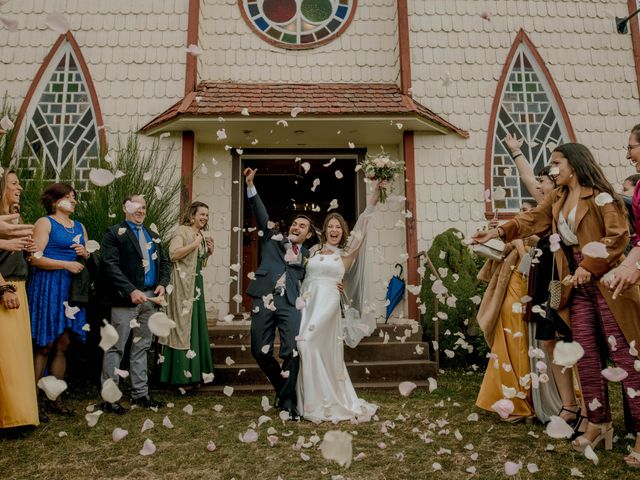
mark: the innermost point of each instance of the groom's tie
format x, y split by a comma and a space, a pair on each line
295, 248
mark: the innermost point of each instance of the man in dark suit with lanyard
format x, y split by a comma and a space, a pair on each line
275, 290
137, 269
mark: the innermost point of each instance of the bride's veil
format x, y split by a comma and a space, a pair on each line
359, 310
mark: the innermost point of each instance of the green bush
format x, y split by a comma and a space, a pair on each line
146, 172
459, 332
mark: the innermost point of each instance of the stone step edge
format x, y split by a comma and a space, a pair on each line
265, 387
349, 364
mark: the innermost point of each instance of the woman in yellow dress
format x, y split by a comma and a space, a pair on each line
18, 398
508, 370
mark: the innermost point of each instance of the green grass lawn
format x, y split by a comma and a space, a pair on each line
422, 429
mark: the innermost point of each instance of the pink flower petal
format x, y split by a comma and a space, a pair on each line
503, 407
406, 388
148, 448
511, 468
595, 250
58, 23
614, 374
558, 428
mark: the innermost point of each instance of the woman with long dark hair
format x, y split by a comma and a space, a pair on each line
18, 399
548, 325
186, 351
628, 273
60, 248
590, 219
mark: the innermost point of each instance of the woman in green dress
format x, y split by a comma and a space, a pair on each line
186, 351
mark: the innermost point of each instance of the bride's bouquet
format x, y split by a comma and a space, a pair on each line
380, 167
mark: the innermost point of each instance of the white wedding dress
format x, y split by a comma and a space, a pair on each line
324, 389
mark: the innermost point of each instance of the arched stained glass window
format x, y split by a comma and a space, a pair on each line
530, 108
298, 23
60, 132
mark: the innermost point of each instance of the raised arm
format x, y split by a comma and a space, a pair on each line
534, 222
525, 170
258, 208
358, 234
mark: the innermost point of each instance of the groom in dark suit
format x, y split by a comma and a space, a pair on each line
275, 290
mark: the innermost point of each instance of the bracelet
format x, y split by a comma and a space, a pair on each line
7, 287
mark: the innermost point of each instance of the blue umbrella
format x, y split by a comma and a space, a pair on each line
395, 292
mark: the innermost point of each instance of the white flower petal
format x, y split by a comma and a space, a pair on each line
337, 446
118, 434
148, 448
160, 325
110, 391
52, 387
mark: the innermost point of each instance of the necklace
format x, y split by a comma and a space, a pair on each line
70, 229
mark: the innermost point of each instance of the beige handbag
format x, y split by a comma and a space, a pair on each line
492, 249
555, 288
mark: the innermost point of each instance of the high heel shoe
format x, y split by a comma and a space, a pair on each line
606, 434
578, 423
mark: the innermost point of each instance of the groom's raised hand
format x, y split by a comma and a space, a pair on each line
249, 174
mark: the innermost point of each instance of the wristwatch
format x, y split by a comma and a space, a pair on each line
500, 233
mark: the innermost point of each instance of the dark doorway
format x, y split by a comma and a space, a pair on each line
286, 190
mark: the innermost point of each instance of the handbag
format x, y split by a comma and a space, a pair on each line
555, 288
492, 249
79, 288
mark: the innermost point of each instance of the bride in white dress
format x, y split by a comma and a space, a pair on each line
324, 389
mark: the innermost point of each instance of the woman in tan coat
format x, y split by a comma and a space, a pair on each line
186, 351
591, 221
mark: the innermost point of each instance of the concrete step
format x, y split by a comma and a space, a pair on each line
370, 351
230, 334
267, 389
394, 371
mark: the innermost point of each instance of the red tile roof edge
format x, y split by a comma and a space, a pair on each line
383, 92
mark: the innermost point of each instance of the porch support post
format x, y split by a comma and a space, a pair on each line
190, 81
410, 230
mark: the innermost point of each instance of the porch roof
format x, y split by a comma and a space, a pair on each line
317, 100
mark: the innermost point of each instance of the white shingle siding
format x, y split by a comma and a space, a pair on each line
367, 51
594, 72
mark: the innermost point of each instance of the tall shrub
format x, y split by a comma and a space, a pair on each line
458, 268
147, 172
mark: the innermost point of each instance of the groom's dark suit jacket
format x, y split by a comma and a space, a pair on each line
273, 264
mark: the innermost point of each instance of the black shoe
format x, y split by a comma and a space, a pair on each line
147, 402
277, 403
287, 405
113, 408
59, 407
44, 418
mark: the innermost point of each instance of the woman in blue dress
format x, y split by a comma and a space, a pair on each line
60, 245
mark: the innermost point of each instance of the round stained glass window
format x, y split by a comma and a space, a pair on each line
298, 23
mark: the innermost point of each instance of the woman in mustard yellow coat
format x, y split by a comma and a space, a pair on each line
591, 221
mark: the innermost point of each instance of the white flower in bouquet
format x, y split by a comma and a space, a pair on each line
380, 167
